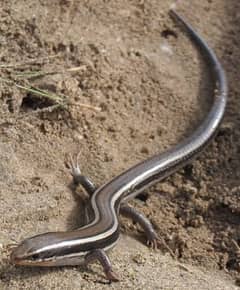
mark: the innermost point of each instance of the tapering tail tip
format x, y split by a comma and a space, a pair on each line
174, 14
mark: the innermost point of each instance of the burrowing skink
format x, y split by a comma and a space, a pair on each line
90, 242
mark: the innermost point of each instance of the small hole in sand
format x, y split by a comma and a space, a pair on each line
31, 102
167, 33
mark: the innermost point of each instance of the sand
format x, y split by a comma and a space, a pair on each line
135, 86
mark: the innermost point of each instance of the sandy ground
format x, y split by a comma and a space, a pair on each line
145, 87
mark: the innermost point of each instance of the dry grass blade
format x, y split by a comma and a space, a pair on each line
97, 109
32, 74
29, 62
58, 100
38, 74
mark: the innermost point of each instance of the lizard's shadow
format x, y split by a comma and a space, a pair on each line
77, 216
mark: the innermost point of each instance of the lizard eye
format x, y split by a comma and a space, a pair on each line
35, 257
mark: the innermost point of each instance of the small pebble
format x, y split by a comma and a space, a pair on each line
144, 150
139, 259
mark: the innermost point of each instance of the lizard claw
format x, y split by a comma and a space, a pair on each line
111, 276
157, 243
153, 244
73, 166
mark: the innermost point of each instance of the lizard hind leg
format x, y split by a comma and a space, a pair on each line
153, 241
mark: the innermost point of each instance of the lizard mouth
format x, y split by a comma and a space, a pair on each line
32, 261
17, 259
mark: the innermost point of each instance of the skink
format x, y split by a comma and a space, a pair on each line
90, 242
